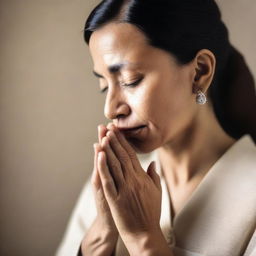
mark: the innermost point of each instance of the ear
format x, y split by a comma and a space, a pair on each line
204, 69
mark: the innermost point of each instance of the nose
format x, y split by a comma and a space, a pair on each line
115, 105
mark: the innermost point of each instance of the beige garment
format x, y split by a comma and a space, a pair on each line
219, 219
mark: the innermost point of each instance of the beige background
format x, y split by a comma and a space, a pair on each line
50, 106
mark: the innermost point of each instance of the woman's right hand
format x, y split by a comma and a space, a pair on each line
101, 238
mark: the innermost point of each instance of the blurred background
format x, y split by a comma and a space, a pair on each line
50, 107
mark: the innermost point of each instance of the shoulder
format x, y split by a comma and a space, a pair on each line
246, 149
239, 158
236, 169
233, 178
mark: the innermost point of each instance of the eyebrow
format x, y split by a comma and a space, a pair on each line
112, 69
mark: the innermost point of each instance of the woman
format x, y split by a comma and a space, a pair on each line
163, 66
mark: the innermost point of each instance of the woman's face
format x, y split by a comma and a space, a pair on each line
149, 96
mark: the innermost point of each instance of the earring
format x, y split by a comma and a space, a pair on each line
200, 98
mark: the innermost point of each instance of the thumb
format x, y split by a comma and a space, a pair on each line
151, 171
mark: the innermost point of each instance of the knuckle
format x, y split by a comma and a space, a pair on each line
124, 157
107, 184
116, 166
132, 155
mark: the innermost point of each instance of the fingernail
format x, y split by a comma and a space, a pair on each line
109, 125
101, 155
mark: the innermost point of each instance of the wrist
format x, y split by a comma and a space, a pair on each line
105, 228
148, 244
99, 240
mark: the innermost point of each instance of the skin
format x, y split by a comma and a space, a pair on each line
180, 129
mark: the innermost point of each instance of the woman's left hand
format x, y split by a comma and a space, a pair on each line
133, 195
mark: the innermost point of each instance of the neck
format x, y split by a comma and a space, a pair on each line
192, 153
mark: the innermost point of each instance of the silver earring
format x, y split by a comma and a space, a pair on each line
200, 98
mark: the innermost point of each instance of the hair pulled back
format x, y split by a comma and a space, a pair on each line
182, 28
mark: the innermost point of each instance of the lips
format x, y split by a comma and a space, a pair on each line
130, 129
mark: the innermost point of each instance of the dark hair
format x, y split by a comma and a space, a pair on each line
182, 28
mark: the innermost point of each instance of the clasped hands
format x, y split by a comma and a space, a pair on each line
128, 199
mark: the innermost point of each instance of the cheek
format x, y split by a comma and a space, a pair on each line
140, 102
162, 99
161, 102
151, 98
167, 103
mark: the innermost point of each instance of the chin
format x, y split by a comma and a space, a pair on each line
143, 147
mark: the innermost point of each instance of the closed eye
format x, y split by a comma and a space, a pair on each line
103, 90
134, 83
125, 85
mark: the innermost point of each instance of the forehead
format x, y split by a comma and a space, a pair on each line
118, 42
